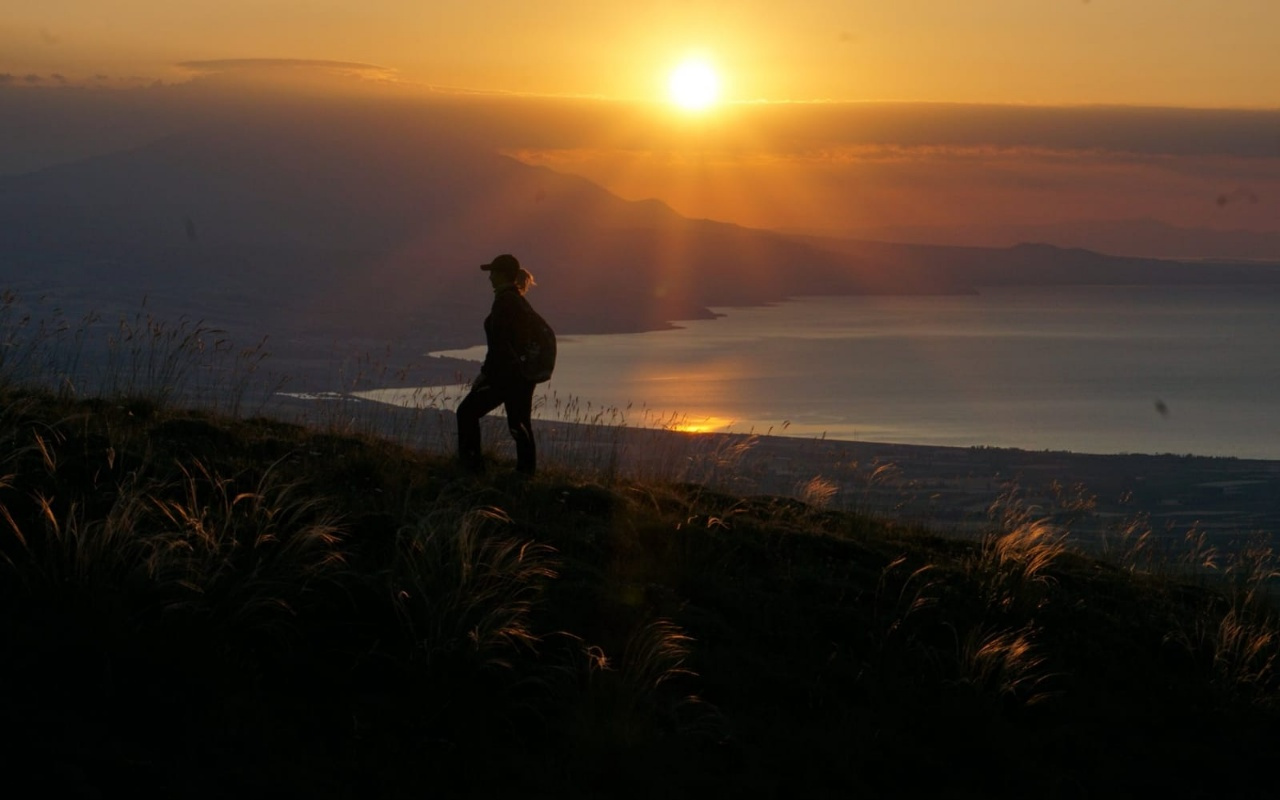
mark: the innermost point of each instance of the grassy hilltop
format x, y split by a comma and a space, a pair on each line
199, 605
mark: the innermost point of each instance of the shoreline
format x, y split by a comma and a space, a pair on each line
1227, 499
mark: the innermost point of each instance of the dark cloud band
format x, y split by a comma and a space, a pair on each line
232, 64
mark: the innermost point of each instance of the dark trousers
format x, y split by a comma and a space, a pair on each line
516, 398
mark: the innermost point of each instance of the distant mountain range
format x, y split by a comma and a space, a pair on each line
1147, 238
368, 228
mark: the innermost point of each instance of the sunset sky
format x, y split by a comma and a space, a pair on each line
1199, 53
833, 115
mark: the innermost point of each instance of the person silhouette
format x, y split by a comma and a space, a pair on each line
500, 382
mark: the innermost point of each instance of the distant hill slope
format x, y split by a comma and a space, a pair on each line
373, 223
1147, 238
374, 226
1030, 264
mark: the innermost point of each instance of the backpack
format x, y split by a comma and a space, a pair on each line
536, 352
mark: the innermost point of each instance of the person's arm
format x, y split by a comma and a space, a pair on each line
504, 336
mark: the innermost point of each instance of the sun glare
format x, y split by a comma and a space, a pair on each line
707, 425
694, 85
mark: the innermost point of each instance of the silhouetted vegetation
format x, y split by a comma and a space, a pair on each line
197, 604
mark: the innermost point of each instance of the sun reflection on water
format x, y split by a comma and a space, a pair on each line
703, 425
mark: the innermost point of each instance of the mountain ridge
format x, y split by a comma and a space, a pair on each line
348, 227
1138, 237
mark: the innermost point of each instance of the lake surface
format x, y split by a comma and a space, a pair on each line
1184, 370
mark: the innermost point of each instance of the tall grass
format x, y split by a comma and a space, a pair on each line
1004, 665
1234, 637
462, 587
195, 545
140, 357
247, 554
1012, 561
40, 345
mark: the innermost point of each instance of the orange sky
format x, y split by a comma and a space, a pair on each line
1199, 53
830, 150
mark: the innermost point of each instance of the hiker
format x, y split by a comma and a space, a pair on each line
508, 376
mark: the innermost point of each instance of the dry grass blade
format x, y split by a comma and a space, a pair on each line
458, 584
817, 492
1012, 561
246, 559
1003, 664
655, 654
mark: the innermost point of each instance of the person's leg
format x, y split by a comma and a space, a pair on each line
519, 408
482, 399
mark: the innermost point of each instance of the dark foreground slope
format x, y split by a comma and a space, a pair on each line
200, 607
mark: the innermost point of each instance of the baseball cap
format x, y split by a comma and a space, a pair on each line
503, 263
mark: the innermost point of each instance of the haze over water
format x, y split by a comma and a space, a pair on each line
1183, 370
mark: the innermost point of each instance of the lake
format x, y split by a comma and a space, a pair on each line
1184, 370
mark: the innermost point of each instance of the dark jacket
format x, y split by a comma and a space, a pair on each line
503, 332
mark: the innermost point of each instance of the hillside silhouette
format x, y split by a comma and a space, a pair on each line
196, 605
1125, 237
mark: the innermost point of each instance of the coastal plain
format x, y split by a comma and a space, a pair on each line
1096, 499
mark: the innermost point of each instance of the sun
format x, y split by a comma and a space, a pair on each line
694, 85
